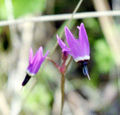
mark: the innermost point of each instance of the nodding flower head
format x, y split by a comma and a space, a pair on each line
78, 48
34, 64
35, 61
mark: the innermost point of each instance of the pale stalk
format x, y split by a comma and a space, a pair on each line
60, 17
62, 92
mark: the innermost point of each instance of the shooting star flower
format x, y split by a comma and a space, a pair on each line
34, 64
79, 48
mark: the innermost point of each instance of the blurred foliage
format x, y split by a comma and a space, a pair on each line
5, 41
103, 57
23, 7
100, 51
40, 99
60, 6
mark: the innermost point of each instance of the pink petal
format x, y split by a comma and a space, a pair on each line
62, 44
72, 42
30, 56
41, 51
83, 39
37, 60
46, 54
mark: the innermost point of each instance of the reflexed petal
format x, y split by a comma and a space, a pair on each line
37, 67
38, 55
83, 39
40, 61
30, 56
69, 36
62, 45
73, 43
41, 51
37, 60
46, 54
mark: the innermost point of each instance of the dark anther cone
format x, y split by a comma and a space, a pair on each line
85, 69
27, 78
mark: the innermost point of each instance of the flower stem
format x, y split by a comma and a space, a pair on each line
53, 62
62, 92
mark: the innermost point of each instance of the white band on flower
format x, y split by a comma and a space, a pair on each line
82, 58
31, 74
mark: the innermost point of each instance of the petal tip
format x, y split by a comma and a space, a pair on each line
41, 48
58, 38
46, 54
78, 27
82, 24
66, 28
30, 55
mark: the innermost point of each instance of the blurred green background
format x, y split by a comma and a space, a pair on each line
40, 98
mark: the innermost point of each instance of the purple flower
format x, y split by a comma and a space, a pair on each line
34, 64
35, 61
78, 48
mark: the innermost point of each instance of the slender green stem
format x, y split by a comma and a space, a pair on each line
62, 92
63, 88
69, 61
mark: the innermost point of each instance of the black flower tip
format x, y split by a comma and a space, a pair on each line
27, 78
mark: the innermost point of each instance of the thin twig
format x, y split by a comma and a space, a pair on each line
75, 10
53, 62
59, 17
70, 19
69, 61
